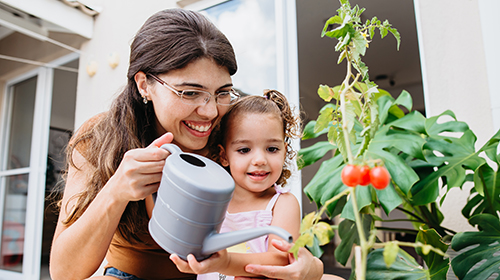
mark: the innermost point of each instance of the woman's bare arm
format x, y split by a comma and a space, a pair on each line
79, 249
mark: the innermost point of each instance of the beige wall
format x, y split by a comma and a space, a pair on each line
455, 76
114, 30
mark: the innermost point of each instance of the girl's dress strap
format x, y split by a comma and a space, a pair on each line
279, 190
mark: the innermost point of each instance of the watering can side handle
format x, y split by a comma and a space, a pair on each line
216, 242
172, 148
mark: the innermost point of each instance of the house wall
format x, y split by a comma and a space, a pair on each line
114, 29
455, 77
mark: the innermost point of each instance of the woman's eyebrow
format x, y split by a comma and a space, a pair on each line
195, 85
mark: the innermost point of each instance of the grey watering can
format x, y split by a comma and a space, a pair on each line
191, 204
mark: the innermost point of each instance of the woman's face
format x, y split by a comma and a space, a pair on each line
190, 124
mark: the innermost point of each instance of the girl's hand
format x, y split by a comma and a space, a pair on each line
306, 266
215, 263
140, 171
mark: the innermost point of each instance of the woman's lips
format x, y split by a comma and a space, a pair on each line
199, 129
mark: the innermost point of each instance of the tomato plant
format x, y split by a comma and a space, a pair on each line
351, 175
379, 177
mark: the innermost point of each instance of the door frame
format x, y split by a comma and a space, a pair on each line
38, 164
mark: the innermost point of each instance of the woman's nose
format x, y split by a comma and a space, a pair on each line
209, 110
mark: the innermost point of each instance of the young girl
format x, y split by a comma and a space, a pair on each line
254, 143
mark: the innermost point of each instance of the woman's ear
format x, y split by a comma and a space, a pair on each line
223, 156
141, 81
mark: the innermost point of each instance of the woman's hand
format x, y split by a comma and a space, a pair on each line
140, 171
215, 263
306, 266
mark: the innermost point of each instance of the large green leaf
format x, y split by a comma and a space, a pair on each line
437, 264
348, 234
487, 250
451, 154
404, 268
310, 155
485, 196
326, 183
363, 198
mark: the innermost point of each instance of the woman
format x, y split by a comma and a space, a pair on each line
115, 162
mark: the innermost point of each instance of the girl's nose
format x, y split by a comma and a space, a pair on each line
259, 159
209, 110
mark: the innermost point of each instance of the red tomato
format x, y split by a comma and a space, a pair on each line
351, 175
365, 175
379, 177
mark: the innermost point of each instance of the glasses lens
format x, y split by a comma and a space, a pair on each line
224, 98
195, 97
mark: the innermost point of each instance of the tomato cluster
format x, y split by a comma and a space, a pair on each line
353, 175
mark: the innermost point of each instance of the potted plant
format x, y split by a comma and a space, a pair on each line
384, 155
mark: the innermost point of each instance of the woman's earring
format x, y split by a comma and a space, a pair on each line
144, 99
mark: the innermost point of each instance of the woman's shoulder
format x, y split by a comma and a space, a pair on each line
80, 138
90, 123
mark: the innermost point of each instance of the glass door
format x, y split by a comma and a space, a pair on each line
24, 134
264, 37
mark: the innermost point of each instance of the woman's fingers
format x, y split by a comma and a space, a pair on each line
164, 139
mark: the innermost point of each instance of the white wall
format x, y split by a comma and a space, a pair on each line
454, 72
114, 30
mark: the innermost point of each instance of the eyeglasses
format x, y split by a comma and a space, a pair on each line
200, 97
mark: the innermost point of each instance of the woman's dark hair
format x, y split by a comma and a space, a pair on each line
168, 40
272, 102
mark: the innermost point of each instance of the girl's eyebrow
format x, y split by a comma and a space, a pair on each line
243, 141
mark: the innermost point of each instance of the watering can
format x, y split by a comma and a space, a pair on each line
191, 204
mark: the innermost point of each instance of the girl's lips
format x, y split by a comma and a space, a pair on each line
258, 176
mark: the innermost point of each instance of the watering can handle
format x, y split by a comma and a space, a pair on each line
172, 148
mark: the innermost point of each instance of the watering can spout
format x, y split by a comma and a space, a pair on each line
218, 241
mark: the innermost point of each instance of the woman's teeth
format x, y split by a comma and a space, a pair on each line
199, 128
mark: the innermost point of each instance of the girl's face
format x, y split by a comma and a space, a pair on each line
190, 124
255, 150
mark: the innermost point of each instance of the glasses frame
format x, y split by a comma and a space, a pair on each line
180, 93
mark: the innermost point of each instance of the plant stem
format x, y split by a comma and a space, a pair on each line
360, 272
350, 157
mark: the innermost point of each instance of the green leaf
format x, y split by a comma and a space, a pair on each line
324, 93
308, 132
360, 43
348, 234
326, 182
388, 198
324, 118
396, 35
363, 198
487, 184
315, 249
307, 222
310, 155
487, 248
405, 100
458, 154
438, 265
331, 21
404, 268
323, 232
